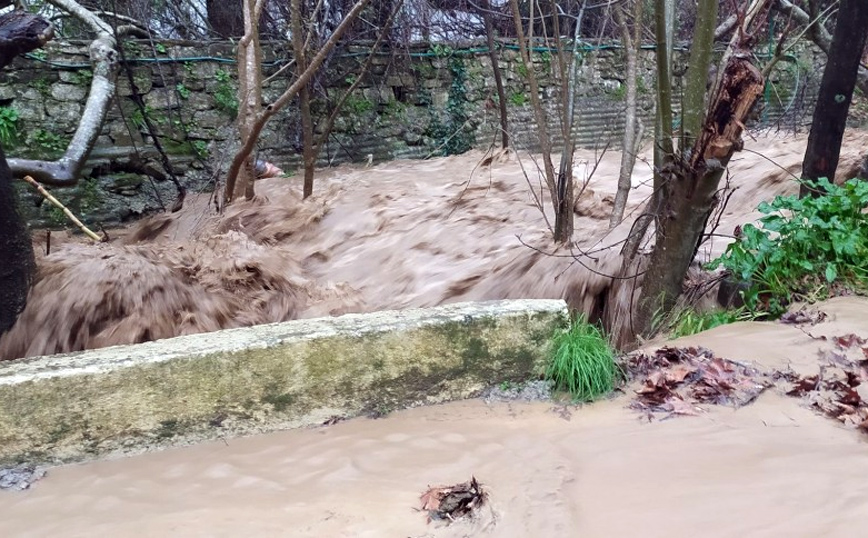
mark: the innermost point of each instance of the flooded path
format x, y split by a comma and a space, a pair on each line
773, 468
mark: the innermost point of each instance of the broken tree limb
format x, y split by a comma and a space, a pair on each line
48, 196
104, 58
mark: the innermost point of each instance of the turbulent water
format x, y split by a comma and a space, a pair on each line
400, 234
774, 468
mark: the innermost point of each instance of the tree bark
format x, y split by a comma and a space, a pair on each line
20, 32
241, 168
631, 139
485, 13
307, 139
693, 186
836, 94
249, 98
16, 251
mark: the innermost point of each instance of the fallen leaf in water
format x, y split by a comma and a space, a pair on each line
848, 340
803, 385
453, 502
680, 407
800, 317
679, 373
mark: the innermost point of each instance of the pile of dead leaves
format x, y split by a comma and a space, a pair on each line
453, 502
677, 380
840, 390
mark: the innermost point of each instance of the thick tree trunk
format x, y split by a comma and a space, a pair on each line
836, 93
16, 251
19, 32
693, 187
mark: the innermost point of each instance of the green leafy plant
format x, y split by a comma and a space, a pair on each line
803, 248
582, 362
442, 51
518, 98
201, 148
159, 47
47, 145
8, 126
224, 93
182, 90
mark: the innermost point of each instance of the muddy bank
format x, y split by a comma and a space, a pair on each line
772, 468
401, 234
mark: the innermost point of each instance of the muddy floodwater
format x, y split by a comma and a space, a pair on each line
773, 468
396, 235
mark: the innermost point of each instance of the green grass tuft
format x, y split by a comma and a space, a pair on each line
689, 321
583, 363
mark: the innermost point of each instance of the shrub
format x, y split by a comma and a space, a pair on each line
583, 362
803, 248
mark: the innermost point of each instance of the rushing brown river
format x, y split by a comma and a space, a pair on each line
399, 234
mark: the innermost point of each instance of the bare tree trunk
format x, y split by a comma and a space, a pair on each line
542, 124
20, 32
241, 168
836, 94
307, 138
630, 143
308, 152
485, 12
250, 96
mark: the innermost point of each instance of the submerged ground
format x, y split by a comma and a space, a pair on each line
772, 468
396, 235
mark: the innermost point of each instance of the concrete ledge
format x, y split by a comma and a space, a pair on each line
130, 399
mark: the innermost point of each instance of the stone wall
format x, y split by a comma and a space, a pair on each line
412, 104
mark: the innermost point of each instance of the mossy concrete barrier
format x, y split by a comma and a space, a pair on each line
130, 399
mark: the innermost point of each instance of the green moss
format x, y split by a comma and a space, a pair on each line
280, 401
168, 429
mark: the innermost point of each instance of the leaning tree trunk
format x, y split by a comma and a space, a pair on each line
836, 93
20, 32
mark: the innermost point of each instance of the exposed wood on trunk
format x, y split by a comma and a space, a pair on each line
693, 185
